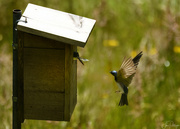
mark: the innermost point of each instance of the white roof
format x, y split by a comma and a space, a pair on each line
57, 25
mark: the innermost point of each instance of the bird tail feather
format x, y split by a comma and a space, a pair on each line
123, 100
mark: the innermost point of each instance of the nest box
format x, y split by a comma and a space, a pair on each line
47, 39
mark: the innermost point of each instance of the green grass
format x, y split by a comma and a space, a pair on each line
154, 95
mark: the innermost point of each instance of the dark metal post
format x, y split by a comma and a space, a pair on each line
16, 119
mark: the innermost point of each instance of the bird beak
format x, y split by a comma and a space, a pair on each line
113, 72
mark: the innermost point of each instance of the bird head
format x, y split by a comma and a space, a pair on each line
114, 73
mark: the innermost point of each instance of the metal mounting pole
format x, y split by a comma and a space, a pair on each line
16, 119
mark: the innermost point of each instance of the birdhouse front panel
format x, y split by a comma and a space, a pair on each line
44, 69
50, 78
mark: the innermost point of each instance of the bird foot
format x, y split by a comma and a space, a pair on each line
117, 91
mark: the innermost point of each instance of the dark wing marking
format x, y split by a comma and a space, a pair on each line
137, 58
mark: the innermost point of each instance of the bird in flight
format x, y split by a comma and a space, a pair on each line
124, 76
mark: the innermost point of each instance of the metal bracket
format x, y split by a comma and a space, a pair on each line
15, 46
21, 21
76, 55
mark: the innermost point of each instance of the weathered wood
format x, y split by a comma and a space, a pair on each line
44, 79
43, 105
68, 60
39, 113
56, 25
73, 91
50, 79
44, 69
44, 98
51, 104
70, 82
34, 41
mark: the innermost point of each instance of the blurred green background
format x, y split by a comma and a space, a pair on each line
123, 28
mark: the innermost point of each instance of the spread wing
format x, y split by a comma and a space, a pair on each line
126, 72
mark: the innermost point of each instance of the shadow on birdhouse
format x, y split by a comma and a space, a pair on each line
47, 73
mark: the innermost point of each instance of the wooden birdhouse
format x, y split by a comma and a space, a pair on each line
47, 39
